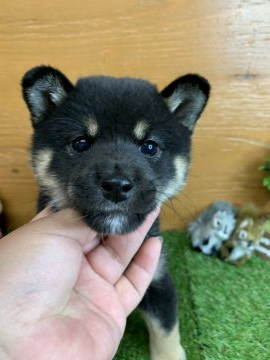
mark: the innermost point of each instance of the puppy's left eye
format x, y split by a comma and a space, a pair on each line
80, 144
149, 147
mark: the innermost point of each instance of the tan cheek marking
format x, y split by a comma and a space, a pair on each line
177, 182
140, 129
47, 181
164, 345
181, 167
92, 126
41, 163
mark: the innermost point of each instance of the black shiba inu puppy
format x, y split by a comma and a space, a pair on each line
114, 149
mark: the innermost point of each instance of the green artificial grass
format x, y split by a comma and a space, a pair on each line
224, 310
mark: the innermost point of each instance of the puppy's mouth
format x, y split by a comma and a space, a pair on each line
107, 216
114, 222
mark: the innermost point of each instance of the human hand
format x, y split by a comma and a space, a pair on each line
64, 294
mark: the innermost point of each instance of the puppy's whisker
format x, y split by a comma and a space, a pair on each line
203, 179
179, 215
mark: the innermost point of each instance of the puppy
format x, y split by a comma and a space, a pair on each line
114, 149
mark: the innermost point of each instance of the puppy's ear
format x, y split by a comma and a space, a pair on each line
186, 97
43, 89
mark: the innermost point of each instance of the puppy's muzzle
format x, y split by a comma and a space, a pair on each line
117, 188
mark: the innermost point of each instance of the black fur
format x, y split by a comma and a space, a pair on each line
160, 302
38, 75
114, 177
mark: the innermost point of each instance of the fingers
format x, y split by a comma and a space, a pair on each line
111, 258
45, 212
133, 284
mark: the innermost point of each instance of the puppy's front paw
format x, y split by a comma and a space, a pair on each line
182, 354
172, 354
165, 345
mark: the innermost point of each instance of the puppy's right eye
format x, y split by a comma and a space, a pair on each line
80, 144
149, 148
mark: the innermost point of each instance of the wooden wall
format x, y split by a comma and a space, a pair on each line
226, 41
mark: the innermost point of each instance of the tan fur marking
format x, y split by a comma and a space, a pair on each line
140, 129
173, 101
163, 345
177, 182
181, 167
92, 126
41, 164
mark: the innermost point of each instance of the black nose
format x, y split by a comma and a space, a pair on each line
117, 189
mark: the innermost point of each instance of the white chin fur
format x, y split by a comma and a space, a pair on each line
115, 224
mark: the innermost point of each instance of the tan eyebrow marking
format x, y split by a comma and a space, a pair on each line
92, 126
140, 129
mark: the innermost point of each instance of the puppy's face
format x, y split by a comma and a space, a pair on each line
113, 149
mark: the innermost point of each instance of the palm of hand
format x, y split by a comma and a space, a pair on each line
71, 293
94, 307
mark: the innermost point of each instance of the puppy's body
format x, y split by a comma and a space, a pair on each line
114, 150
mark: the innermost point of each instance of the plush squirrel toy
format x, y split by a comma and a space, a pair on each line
240, 232
212, 227
248, 236
262, 249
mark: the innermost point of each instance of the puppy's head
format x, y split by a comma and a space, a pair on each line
112, 148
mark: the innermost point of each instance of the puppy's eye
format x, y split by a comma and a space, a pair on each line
80, 144
149, 148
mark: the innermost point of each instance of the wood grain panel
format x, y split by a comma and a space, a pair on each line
226, 41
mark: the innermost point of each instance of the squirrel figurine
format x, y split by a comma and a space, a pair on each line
233, 234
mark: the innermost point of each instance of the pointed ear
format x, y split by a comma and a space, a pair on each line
186, 97
43, 89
